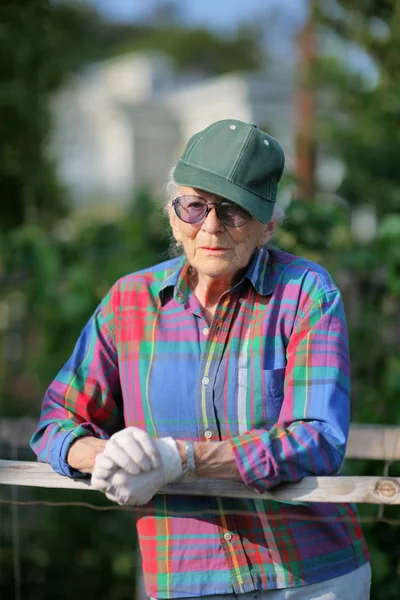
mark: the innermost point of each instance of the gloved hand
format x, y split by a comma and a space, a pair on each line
124, 488
132, 450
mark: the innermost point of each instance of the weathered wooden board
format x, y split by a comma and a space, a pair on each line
371, 490
376, 442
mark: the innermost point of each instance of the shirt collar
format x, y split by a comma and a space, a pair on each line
176, 283
259, 273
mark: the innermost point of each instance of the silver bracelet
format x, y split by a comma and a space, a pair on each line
190, 464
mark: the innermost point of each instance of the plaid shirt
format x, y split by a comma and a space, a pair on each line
271, 373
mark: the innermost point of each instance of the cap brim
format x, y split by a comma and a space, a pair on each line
190, 176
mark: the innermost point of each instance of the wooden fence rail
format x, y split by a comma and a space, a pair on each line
371, 490
365, 442
374, 442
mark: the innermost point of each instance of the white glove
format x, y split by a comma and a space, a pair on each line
120, 486
132, 450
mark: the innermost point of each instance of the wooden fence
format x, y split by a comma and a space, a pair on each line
365, 442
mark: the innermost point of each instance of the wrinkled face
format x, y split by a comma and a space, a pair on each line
214, 249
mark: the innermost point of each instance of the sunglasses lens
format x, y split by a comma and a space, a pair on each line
190, 209
232, 214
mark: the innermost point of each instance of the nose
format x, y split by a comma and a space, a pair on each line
211, 223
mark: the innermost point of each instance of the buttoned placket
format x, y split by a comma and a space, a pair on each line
213, 350
215, 342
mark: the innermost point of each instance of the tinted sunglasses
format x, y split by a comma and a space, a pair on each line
193, 209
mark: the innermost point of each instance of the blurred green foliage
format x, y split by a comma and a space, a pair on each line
200, 50
40, 44
54, 269
364, 132
61, 282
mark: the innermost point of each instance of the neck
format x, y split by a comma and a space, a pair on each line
208, 290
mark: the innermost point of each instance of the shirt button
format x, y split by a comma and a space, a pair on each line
205, 381
208, 434
206, 331
241, 300
227, 536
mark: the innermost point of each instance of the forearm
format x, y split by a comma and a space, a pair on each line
287, 454
212, 459
82, 453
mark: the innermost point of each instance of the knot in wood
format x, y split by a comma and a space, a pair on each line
386, 489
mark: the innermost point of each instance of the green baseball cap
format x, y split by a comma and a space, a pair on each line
237, 161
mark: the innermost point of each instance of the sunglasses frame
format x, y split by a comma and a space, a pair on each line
208, 208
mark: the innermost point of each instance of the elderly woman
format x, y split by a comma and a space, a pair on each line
230, 361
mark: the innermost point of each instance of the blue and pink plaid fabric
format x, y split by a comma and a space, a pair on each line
271, 374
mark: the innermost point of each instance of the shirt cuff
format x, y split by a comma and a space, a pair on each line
255, 462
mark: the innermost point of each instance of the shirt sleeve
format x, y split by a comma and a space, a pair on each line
84, 398
311, 434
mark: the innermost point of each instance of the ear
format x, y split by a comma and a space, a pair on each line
173, 221
267, 233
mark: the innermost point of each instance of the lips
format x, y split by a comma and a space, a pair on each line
217, 248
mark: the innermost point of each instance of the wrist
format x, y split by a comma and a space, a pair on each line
216, 460
181, 445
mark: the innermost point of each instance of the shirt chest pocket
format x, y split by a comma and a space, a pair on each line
260, 396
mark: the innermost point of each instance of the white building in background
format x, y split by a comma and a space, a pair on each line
121, 124
110, 134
